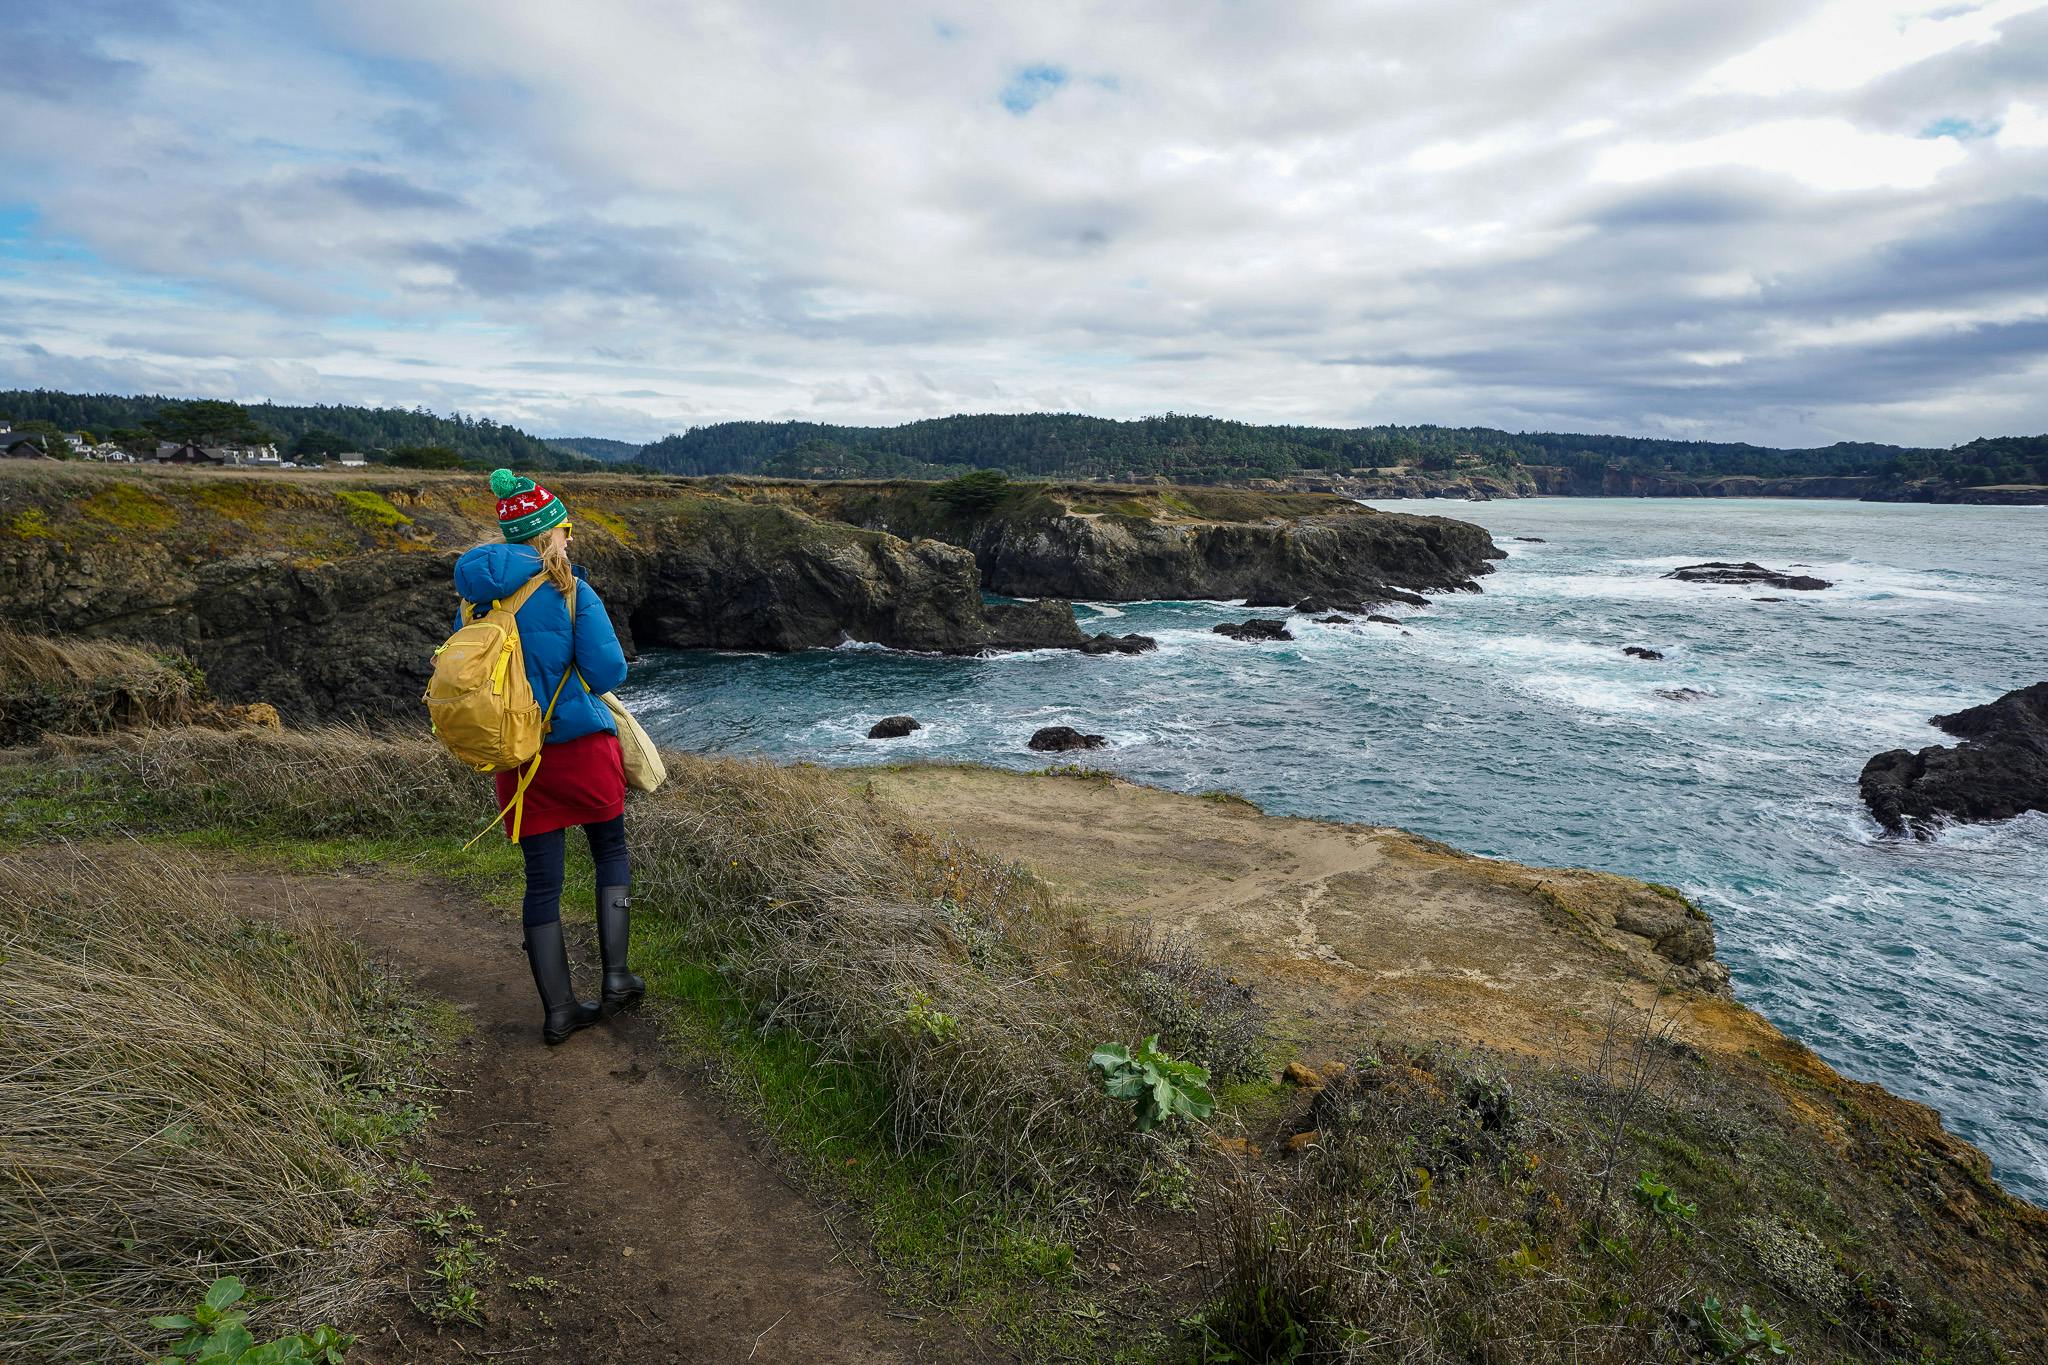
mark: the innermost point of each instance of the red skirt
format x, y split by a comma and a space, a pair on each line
581, 781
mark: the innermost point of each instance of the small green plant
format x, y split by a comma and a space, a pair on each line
213, 1334
1748, 1338
1659, 1201
935, 1024
458, 1268
1156, 1086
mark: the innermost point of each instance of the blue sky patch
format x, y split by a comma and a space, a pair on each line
1031, 86
1961, 129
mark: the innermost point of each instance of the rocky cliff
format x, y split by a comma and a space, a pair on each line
326, 594
1121, 544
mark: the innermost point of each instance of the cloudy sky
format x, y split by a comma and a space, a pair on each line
1777, 220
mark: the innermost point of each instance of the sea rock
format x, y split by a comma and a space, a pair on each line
1684, 694
1384, 620
1049, 624
1255, 629
1044, 624
1532, 540
1746, 575
1059, 739
1106, 643
1333, 620
1638, 652
1311, 606
1766, 599
893, 727
2000, 770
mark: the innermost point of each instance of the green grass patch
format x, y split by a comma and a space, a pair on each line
130, 508
31, 525
371, 509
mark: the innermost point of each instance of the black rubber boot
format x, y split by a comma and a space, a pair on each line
550, 960
622, 989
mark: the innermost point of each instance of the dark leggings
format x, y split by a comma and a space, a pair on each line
544, 853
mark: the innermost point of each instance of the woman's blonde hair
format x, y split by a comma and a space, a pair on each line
553, 545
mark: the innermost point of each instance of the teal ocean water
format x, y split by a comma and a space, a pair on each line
1510, 723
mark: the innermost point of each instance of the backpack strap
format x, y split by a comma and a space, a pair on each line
512, 603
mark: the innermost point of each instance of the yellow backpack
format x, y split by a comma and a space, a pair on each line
481, 704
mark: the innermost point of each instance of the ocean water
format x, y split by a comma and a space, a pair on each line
1510, 723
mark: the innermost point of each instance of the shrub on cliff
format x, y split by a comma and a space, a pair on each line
88, 687
975, 494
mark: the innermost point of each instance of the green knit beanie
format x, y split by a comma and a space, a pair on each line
525, 509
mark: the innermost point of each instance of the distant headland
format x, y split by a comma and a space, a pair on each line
1382, 461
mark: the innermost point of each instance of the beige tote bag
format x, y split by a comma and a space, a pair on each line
644, 770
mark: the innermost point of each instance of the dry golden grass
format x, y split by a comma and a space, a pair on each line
87, 687
183, 1094
949, 979
950, 976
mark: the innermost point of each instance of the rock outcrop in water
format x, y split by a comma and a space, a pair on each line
1255, 629
1111, 544
1059, 739
1049, 624
1748, 575
893, 727
2000, 770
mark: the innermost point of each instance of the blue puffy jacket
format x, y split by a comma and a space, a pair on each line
490, 572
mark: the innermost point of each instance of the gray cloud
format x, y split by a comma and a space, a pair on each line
382, 190
1624, 215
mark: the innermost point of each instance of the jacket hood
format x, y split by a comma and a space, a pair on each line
493, 571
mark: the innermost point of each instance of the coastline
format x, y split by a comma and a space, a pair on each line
1558, 482
1358, 938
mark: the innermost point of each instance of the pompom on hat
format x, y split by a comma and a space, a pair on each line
525, 509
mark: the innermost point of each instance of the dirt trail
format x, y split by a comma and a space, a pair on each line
671, 1238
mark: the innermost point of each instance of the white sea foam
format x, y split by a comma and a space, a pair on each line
1592, 694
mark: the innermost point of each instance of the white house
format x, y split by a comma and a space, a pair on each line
351, 459
262, 457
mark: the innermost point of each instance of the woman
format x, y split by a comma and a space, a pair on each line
580, 781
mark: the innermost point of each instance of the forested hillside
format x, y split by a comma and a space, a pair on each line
1182, 448
597, 447
1207, 449
322, 429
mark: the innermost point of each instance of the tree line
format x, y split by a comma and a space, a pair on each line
1190, 449
407, 437
1176, 446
